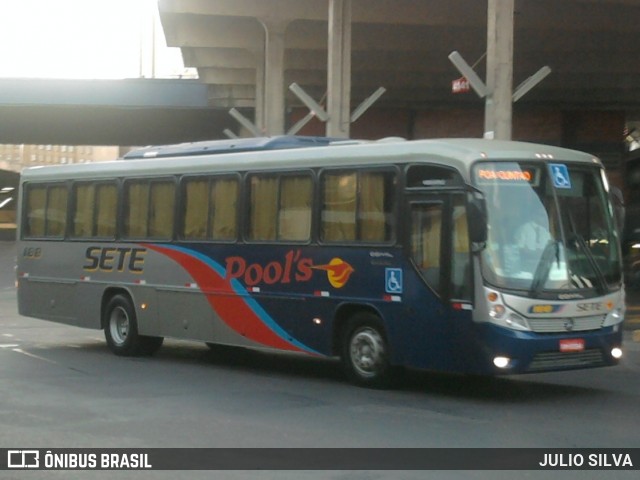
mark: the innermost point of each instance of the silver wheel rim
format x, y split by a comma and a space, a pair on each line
119, 325
367, 352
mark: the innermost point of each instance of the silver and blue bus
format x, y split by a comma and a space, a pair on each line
464, 255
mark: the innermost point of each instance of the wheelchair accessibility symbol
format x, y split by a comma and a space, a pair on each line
560, 175
393, 280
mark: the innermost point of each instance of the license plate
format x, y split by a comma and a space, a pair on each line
572, 345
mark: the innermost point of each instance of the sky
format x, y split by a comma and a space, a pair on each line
106, 39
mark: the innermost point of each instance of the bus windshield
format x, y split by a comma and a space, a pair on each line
550, 228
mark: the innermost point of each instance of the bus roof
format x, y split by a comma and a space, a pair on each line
216, 147
459, 153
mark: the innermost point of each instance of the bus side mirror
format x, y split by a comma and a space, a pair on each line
477, 215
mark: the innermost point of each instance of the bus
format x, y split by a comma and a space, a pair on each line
385, 254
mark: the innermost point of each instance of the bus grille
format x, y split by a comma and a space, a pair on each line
557, 325
555, 360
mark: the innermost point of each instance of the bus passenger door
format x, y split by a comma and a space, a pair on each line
438, 245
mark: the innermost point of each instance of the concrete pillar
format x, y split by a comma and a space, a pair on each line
273, 89
259, 112
339, 69
498, 108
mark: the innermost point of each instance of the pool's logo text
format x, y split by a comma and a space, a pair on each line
293, 268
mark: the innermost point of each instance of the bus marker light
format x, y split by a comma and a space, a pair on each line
392, 298
143, 306
321, 293
317, 321
501, 362
492, 296
616, 353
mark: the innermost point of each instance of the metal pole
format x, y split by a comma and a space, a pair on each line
339, 69
498, 109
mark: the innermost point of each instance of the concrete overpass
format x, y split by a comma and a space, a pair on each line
107, 112
248, 51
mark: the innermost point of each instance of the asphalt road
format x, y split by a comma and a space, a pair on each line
61, 387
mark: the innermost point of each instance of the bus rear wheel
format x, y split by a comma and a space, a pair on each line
365, 353
121, 330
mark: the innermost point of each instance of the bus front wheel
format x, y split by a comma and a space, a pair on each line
365, 354
121, 330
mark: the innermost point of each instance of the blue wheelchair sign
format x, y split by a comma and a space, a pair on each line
560, 175
393, 280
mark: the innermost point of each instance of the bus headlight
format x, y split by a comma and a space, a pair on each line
501, 362
616, 353
614, 317
497, 311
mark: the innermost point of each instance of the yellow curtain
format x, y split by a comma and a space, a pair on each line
224, 196
136, 219
433, 234
294, 216
339, 207
161, 211
196, 210
57, 212
107, 205
36, 200
371, 211
264, 205
83, 211
426, 235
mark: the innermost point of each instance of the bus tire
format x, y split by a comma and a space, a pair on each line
121, 329
365, 352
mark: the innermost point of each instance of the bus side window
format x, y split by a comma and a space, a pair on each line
264, 207
161, 210
357, 207
210, 209
46, 211
294, 215
461, 260
426, 234
94, 210
280, 207
35, 211
56, 211
149, 209
339, 207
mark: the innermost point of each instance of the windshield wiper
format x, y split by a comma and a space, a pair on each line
551, 250
601, 284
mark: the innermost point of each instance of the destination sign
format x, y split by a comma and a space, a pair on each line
506, 174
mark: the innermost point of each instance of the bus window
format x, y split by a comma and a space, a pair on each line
339, 207
461, 260
210, 209
94, 210
294, 216
280, 207
161, 209
357, 207
36, 203
149, 209
46, 211
264, 208
426, 224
